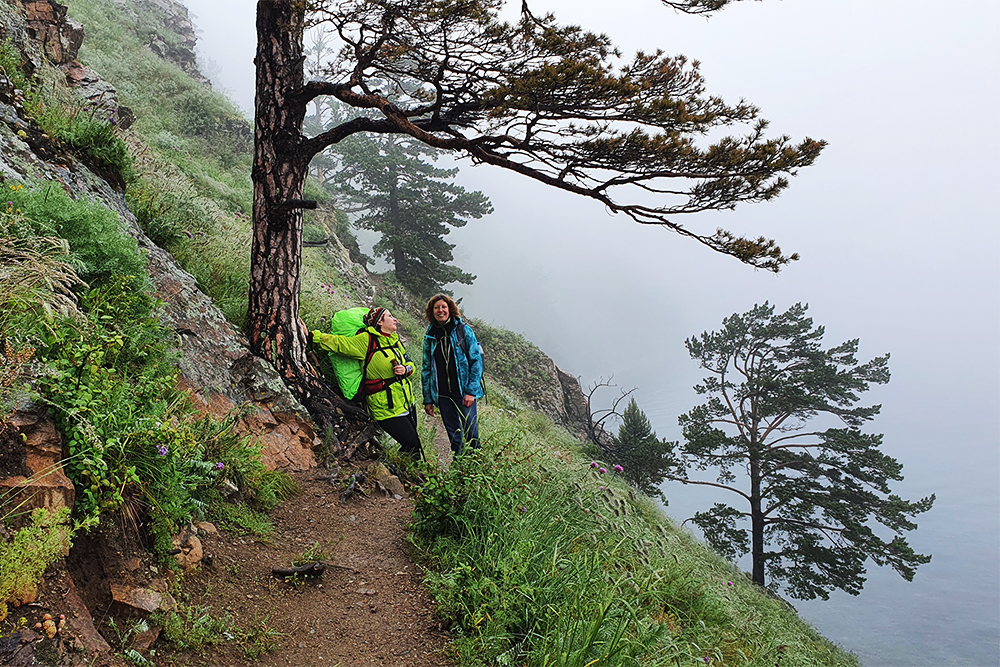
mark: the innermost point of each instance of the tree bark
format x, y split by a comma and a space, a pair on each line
279, 171
399, 259
756, 523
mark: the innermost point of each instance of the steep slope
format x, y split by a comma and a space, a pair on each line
528, 484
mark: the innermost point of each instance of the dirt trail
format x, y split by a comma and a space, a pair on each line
369, 607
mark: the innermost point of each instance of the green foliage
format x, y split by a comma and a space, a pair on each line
211, 244
537, 558
10, 66
110, 381
194, 628
91, 136
411, 204
643, 456
35, 278
812, 493
24, 559
98, 247
316, 552
129, 433
241, 519
260, 638
126, 635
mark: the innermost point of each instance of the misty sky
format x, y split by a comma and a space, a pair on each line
897, 223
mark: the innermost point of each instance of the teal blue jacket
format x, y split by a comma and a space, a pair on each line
469, 365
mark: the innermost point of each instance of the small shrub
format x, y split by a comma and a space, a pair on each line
241, 519
191, 627
98, 247
29, 554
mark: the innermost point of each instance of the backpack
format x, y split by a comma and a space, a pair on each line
349, 372
463, 343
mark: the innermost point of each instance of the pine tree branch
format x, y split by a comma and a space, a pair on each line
684, 480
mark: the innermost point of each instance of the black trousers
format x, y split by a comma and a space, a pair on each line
403, 429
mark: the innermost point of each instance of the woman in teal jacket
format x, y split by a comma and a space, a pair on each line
387, 385
452, 373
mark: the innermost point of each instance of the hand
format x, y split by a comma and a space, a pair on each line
429, 409
398, 369
467, 400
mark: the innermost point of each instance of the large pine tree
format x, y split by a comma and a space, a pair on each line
812, 492
554, 103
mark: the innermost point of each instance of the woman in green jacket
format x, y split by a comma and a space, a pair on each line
386, 386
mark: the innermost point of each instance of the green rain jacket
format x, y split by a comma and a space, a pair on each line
385, 400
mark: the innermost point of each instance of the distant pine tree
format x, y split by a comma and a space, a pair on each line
642, 455
411, 203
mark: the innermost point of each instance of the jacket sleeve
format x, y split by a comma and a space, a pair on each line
355, 347
475, 363
427, 372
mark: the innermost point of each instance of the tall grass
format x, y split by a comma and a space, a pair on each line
537, 558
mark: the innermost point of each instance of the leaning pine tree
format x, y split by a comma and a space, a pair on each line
811, 495
554, 103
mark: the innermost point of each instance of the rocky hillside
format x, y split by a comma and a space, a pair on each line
213, 358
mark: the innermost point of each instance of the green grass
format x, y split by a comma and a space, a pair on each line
536, 558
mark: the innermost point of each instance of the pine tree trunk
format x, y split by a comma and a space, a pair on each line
756, 523
395, 223
279, 173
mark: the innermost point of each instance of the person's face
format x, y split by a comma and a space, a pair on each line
441, 311
387, 323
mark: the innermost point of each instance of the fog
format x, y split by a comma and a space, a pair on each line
898, 227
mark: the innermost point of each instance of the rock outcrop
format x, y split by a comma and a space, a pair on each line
45, 484
575, 406
174, 39
58, 36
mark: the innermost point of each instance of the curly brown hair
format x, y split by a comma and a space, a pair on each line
453, 310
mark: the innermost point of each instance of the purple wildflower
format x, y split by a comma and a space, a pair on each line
593, 464
220, 465
601, 470
729, 583
618, 468
162, 450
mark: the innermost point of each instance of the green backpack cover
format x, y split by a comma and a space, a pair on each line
349, 371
